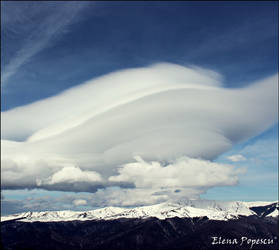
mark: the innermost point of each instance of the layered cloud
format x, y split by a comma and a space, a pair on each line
175, 119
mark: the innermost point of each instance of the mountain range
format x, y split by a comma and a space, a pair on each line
191, 224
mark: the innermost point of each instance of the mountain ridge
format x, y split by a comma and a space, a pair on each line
213, 210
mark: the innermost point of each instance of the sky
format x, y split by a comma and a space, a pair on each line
136, 103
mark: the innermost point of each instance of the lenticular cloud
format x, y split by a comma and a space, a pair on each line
159, 113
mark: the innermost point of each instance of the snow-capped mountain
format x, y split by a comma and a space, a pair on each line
213, 210
166, 226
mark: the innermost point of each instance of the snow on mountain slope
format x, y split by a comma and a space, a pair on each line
214, 210
275, 213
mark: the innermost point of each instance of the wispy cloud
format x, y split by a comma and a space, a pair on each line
39, 32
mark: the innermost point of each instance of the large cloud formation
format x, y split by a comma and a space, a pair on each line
150, 130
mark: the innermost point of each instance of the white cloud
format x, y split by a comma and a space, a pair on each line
130, 197
185, 177
79, 202
161, 113
71, 174
236, 158
183, 172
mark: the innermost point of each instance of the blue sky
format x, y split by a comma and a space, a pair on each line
48, 47
236, 39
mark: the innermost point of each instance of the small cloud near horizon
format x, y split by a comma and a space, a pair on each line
236, 158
